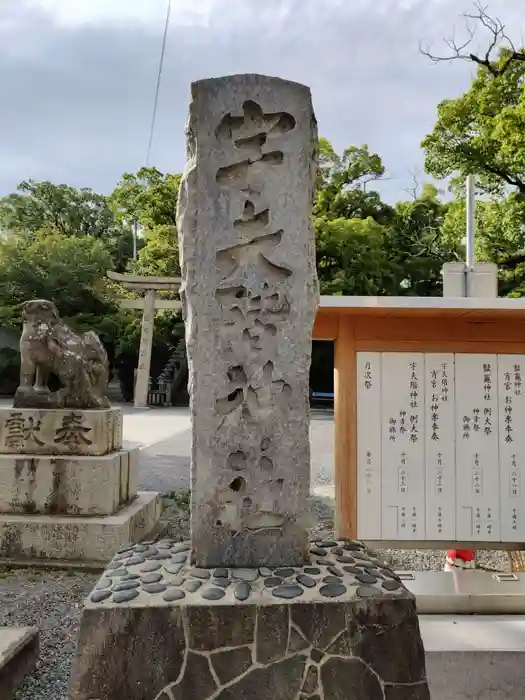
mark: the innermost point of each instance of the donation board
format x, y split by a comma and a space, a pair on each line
440, 446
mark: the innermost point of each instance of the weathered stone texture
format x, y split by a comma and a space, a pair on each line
28, 431
19, 648
155, 646
249, 297
66, 485
128, 653
80, 538
48, 346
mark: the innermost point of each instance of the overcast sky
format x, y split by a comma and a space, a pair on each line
77, 77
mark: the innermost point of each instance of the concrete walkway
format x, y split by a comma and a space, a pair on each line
164, 436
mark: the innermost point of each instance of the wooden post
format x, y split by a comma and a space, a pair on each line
146, 343
345, 428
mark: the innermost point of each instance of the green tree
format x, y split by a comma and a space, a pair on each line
70, 270
160, 253
416, 247
351, 256
343, 184
482, 132
499, 237
43, 207
148, 196
365, 246
148, 199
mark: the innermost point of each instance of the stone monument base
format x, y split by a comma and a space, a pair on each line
48, 431
156, 628
80, 539
67, 484
19, 647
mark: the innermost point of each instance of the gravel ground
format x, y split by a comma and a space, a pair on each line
403, 559
52, 601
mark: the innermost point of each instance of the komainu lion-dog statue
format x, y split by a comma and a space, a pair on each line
48, 346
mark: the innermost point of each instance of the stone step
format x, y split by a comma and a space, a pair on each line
39, 538
477, 656
466, 592
18, 657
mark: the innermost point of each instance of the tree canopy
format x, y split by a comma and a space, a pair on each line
482, 133
70, 270
59, 242
148, 200
47, 208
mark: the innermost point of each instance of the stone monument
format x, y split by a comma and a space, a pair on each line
68, 489
249, 298
249, 609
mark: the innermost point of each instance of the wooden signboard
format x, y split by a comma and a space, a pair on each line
429, 418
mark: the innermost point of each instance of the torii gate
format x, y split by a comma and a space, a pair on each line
148, 303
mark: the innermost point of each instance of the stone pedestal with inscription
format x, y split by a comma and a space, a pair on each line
68, 490
60, 432
248, 609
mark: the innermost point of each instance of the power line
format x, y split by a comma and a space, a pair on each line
159, 78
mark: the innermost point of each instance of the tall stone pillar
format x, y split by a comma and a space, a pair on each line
247, 609
146, 343
249, 295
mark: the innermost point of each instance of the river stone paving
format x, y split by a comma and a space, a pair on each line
338, 569
344, 626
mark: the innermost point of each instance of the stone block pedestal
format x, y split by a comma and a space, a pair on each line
19, 648
157, 628
38, 431
68, 485
68, 491
88, 540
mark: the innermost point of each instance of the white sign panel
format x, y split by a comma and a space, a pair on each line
403, 446
440, 458
477, 448
441, 447
369, 445
511, 399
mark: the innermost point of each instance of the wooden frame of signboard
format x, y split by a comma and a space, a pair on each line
404, 324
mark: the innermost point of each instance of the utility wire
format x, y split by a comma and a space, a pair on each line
159, 78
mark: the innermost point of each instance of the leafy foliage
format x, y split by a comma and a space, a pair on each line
416, 247
367, 247
483, 132
343, 182
148, 196
499, 237
148, 199
46, 208
71, 270
351, 256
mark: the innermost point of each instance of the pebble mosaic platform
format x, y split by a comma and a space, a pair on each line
157, 628
339, 570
